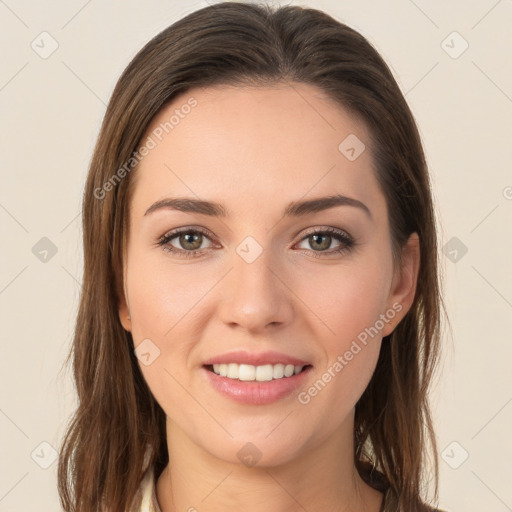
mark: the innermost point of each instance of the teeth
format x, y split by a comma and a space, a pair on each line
278, 371
248, 372
263, 373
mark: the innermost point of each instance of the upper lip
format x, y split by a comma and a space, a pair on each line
255, 359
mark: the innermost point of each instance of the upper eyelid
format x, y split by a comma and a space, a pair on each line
169, 235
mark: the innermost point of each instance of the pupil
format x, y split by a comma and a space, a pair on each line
325, 237
187, 239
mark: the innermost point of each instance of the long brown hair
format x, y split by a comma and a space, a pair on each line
118, 421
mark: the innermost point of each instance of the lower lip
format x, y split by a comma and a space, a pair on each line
253, 392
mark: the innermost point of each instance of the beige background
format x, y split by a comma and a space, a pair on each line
51, 110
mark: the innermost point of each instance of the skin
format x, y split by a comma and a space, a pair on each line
255, 149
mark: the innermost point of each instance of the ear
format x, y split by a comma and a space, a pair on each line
403, 288
123, 308
124, 316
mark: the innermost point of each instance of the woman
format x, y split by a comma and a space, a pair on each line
260, 314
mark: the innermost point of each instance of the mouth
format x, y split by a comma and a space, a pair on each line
260, 373
256, 385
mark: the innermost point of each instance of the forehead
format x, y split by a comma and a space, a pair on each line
254, 146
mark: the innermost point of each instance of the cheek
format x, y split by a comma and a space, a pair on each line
163, 299
169, 306
350, 309
349, 299
350, 351
162, 311
338, 386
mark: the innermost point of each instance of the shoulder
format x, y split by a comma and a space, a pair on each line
390, 501
145, 499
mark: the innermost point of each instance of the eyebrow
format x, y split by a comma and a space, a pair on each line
294, 209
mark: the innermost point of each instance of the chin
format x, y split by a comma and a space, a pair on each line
256, 448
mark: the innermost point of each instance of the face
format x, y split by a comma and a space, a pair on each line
257, 280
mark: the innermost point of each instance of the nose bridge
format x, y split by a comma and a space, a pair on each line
254, 296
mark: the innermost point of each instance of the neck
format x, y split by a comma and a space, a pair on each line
323, 478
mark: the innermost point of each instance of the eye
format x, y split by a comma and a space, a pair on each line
188, 243
321, 239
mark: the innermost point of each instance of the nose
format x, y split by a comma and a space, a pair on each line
255, 295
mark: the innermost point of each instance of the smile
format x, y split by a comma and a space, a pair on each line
262, 373
256, 385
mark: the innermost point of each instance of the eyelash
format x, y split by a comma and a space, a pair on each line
347, 241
